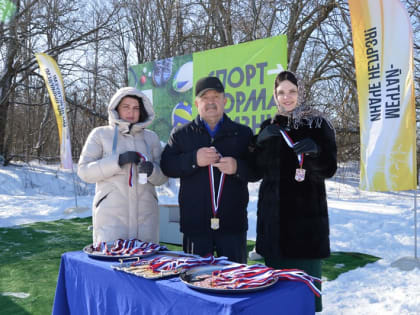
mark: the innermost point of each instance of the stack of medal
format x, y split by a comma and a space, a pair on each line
243, 276
126, 247
170, 263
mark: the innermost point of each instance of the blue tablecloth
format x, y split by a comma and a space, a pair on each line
90, 286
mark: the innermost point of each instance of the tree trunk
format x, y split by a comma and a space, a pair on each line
6, 79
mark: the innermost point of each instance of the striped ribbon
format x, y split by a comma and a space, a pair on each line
166, 263
126, 247
290, 143
215, 202
243, 276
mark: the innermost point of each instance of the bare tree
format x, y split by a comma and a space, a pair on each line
96, 42
50, 26
10, 47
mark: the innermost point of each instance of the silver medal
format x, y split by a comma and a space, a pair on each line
300, 174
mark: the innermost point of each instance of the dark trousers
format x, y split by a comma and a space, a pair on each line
233, 246
311, 266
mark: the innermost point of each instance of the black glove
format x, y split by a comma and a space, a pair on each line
306, 146
268, 132
128, 157
146, 167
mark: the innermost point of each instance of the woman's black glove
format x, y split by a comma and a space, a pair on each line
268, 132
128, 157
146, 167
306, 146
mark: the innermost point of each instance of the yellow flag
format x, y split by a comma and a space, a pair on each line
55, 86
383, 52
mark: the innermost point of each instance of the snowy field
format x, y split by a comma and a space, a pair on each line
379, 224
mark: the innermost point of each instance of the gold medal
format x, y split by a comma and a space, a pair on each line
214, 223
300, 174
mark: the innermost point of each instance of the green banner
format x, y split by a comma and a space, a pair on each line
247, 71
7, 10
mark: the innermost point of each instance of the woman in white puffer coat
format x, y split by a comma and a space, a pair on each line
123, 159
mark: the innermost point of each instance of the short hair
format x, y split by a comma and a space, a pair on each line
143, 113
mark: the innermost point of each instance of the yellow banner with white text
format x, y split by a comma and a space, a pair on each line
383, 53
54, 82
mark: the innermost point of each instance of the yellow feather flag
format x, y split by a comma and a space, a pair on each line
54, 82
383, 53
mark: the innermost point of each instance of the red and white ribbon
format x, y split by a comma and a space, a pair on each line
243, 276
166, 263
126, 247
290, 143
215, 201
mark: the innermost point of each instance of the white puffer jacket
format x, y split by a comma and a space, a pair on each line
121, 211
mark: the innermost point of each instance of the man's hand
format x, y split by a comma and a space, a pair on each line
207, 156
227, 165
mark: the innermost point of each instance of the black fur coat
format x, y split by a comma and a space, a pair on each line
293, 216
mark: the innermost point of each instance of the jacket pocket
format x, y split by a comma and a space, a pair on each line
100, 200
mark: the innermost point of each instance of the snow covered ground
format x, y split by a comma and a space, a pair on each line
380, 224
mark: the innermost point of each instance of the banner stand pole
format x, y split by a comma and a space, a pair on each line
75, 209
74, 185
410, 263
415, 224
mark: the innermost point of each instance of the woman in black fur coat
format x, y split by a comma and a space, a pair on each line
294, 153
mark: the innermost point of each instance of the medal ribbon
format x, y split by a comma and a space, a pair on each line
299, 275
214, 202
167, 263
130, 178
290, 143
126, 247
243, 276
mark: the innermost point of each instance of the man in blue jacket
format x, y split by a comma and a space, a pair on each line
209, 155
